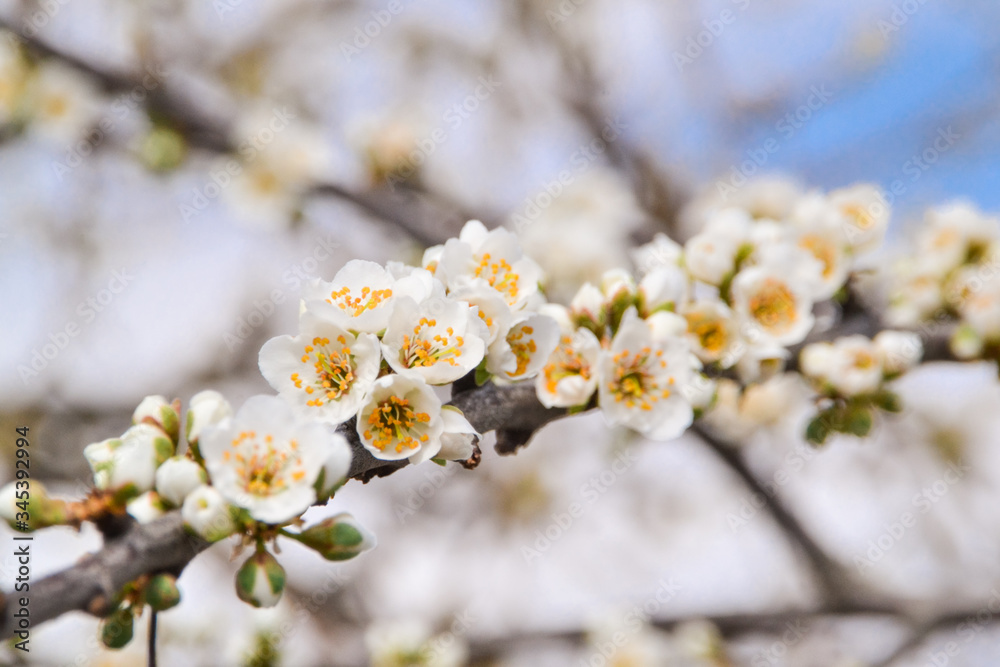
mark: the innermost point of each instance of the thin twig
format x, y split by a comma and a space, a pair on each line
151, 652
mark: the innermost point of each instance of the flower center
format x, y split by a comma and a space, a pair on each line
774, 305
566, 364
427, 351
333, 368
523, 349
864, 360
633, 383
500, 275
356, 305
395, 420
710, 332
263, 467
822, 250
860, 215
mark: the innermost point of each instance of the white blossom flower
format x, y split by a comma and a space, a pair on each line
662, 288
208, 514
767, 403
490, 305
711, 255
496, 257
13, 75
899, 351
773, 305
661, 252
641, 378
955, 233
265, 460
569, 378
459, 438
588, 304
411, 643
522, 351
834, 263
713, 333
440, 339
863, 214
976, 296
145, 508
129, 460
177, 477
325, 371
916, 293
61, 102
852, 365
401, 418
817, 360
617, 284
362, 294
206, 408
583, 231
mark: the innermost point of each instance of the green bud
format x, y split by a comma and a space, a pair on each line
340, 537
261, 580
162, 592
888, 401
116, 630
818, 430
859, 422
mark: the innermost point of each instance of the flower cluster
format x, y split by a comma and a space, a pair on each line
375, 341
953, 275
735, 296
851, 375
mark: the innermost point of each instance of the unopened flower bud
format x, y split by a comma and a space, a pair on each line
206, 512
116, 630
157, 411
261, 580
339, 537
206, 408
162, 592
25, 505
177, 477
147, 507
130, 460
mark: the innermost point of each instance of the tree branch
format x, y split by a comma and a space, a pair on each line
164, 544
91, 585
